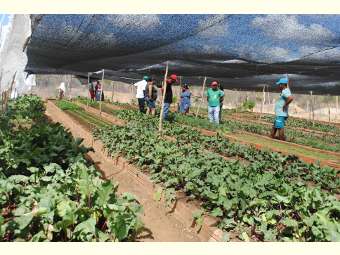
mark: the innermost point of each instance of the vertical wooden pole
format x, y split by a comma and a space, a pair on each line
101, 94
69, 80
112, 83
329, 109
263, 100
268, 98
179, 93
202, 96
308, 110
88, 86
312, 106
160, 129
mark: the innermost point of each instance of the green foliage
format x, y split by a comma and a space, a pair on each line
248, 105
48, 192
26, 107
271, 196
68, 106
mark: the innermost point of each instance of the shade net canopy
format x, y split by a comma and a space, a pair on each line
242, 51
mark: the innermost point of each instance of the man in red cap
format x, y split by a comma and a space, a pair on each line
168, 95
214, 95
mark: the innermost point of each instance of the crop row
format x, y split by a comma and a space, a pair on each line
48, 191
293, 122
324, 176
270, 161
184, 165
265, 205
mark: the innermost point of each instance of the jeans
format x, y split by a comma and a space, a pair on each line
166, 110
141, 104
213, 113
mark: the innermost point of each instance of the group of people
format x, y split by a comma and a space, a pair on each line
95, 90
147, 94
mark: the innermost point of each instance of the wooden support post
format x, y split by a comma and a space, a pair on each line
69, 80
308, 110
329, 110
263, 101
88, 86
112, 91
101, 93
202, 96
160, 128
179, 93
312, 105
268, 96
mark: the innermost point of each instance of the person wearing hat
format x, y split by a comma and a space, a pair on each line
185, 100
214, 95
140, 93
168, 95
281, 108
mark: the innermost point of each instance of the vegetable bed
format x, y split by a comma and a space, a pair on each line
270, 199
48, 191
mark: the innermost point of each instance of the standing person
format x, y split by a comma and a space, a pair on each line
140, 94
221, 102
92, 91
281, 108
214, 95
150, 98
185, 100
62, 90
99, 93
168, 95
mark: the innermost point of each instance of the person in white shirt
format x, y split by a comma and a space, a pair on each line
62, 89
140, 95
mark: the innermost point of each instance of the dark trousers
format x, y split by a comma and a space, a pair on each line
221, 107
141, 104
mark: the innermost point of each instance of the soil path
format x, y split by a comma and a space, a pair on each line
161, 226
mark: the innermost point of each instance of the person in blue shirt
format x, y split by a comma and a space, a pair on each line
281, 108
185, 100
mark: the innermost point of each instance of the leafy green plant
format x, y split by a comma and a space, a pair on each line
48, 192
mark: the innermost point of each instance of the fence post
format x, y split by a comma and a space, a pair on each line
312, 105
179, 93
329, 109
263, 100
101, 94
112, 91
160, 128
202, 96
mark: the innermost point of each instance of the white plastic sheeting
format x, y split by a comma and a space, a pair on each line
13, 58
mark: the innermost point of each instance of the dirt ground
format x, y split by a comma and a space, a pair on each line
160, 225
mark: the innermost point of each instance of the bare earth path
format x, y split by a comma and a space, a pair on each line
161, 225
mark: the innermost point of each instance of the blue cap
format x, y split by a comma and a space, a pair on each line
282, 81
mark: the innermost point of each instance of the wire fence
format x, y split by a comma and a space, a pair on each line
325, 107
